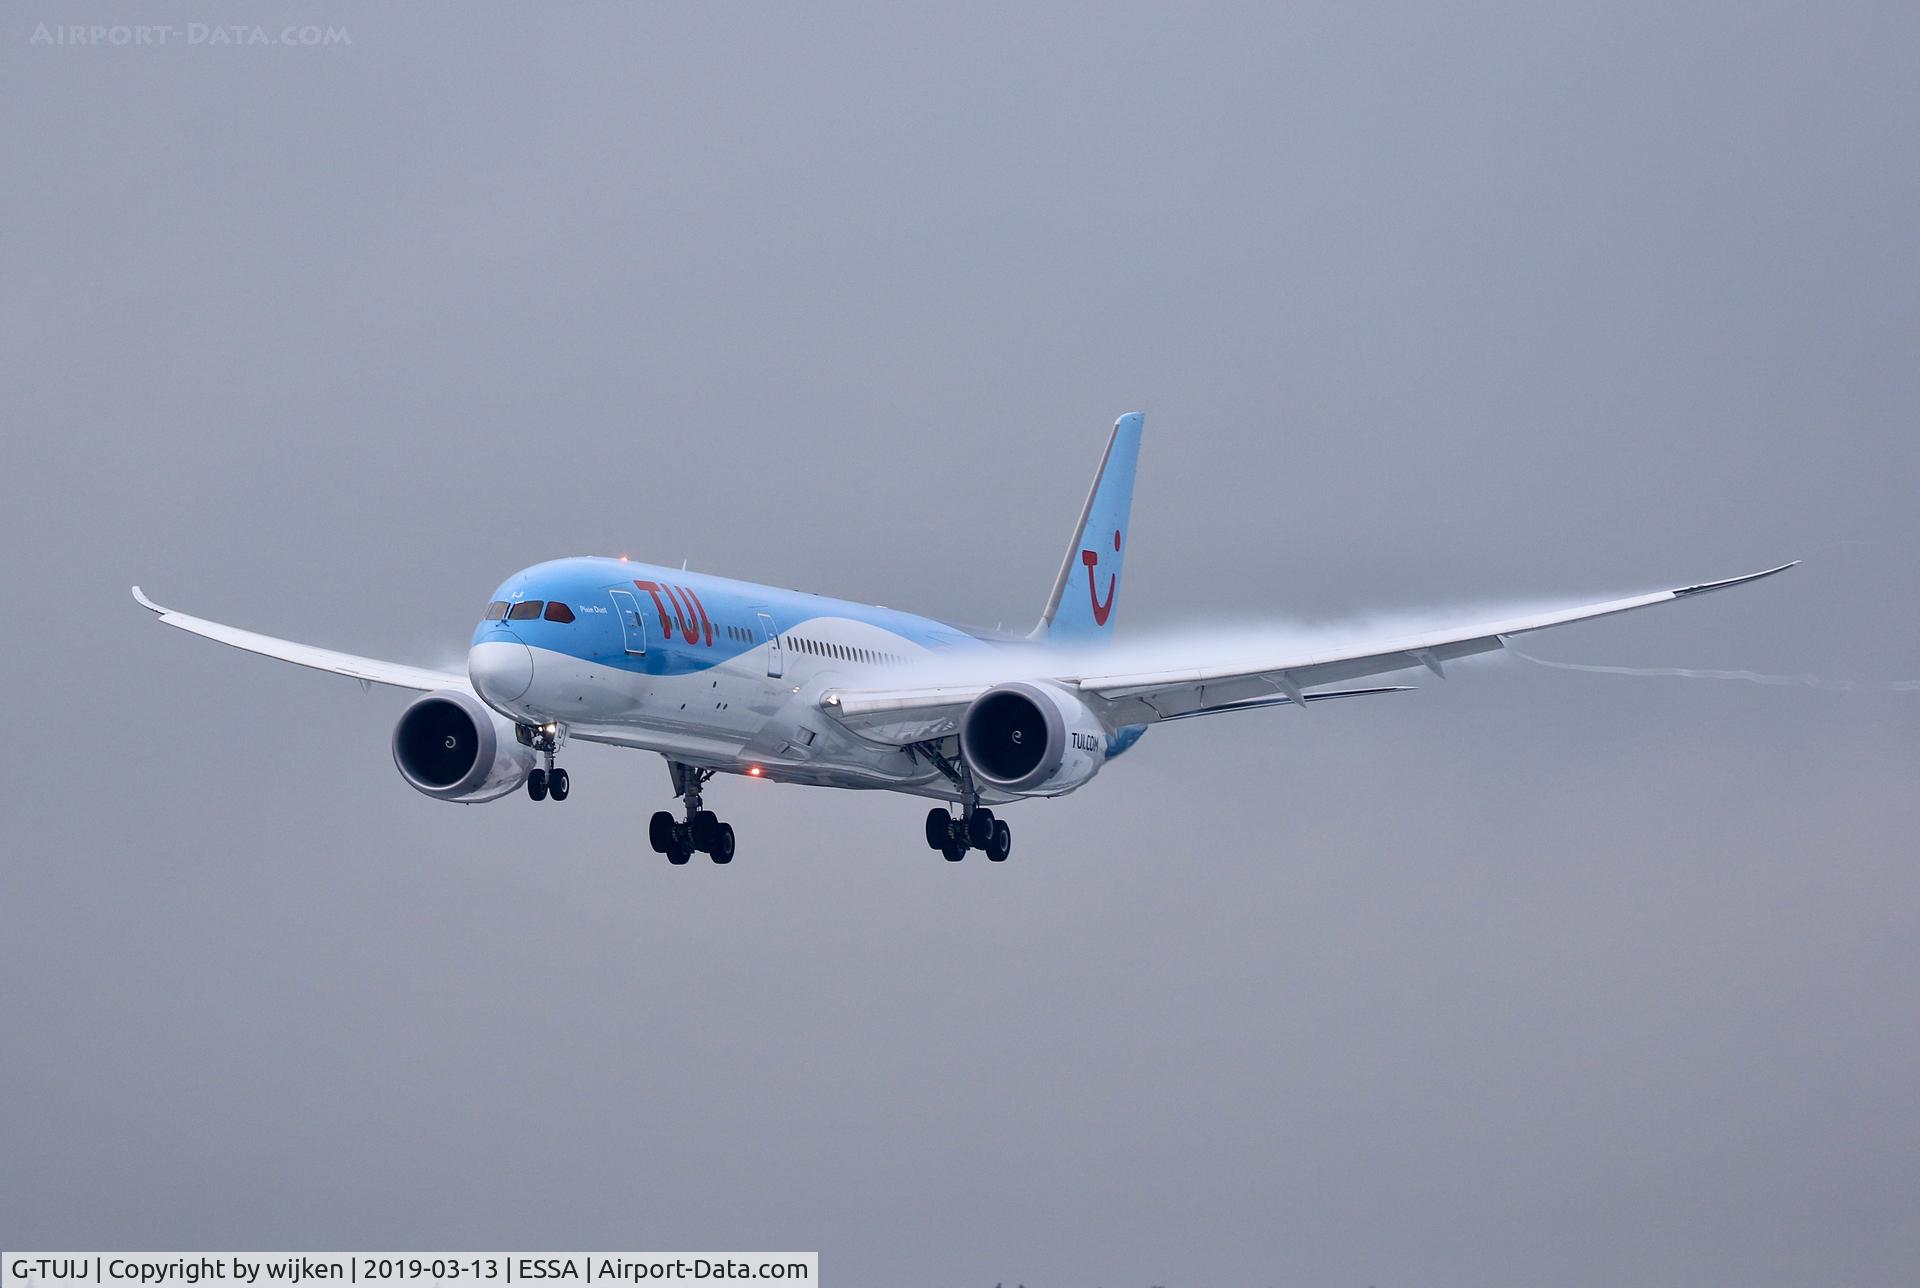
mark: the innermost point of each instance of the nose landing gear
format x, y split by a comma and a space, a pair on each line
702, 830
545, 781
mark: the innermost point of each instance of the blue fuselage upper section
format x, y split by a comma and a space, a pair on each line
688, 621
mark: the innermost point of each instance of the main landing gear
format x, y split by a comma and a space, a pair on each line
545, 781
701, 831
975, 829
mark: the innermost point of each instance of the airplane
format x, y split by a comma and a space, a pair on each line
729, 677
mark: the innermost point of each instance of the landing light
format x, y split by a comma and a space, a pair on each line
755, 771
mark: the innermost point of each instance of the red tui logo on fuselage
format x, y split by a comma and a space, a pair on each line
682, 607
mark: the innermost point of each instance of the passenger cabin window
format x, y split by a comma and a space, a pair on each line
496, 610
558, 612
525, 611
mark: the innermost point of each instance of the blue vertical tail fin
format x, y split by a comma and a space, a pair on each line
1081, 608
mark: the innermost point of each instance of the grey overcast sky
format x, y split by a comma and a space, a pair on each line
1532, 977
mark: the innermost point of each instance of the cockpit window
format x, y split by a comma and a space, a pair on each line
496, 610
524, 611
558, 612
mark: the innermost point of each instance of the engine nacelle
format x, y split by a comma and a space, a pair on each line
1032, 739
451, 746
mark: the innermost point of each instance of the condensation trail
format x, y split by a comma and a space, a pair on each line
1748, 677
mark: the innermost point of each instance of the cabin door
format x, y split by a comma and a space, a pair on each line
776, 665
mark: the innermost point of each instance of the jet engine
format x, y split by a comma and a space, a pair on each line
1032, 739
452, 747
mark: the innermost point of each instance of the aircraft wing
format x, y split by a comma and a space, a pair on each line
1148, 697
369, 670
1158, 695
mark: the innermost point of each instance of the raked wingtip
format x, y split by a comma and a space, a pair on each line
1733, 581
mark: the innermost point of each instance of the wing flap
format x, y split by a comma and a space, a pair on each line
1282, 700
366, 669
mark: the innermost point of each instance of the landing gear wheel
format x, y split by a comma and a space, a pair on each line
1000, 844
558, 784
679, 855
939, 826
703, 825
980, 828
955, 850
722, 848
660, 833
537, 784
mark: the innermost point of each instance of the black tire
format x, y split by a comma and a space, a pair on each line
705, 823
954, 850
678, 856
980, 828
660, 833
722, 851
537, 784
1000, 844
558, 784
939, 825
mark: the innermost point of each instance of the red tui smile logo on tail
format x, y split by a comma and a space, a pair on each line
1091, 558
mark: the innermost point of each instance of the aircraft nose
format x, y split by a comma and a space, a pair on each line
501, 668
